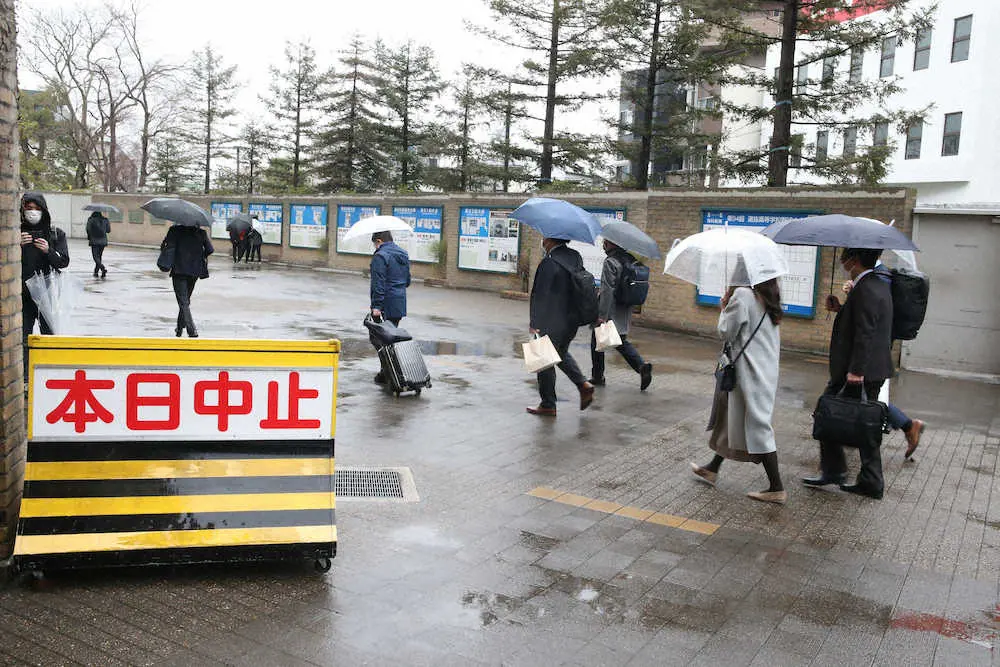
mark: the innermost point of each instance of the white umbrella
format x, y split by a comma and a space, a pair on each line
717, 258
365, 227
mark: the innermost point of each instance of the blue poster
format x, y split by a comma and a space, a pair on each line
347, 215
221, 212
798, 287
307, 225
423, 243
269, 220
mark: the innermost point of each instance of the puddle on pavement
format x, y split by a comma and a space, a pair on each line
454, 381
425, 536
538, 542
491, 607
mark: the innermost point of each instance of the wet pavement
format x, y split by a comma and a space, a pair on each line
582, 540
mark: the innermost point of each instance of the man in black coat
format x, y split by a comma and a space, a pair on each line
98, 228
860, 355
43, 248
553, 314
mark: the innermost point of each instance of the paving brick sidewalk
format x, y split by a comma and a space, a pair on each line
481, 572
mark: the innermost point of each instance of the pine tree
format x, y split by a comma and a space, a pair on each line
507, 161
408, 83
663, 54
171, 163
212, 86
455, 138
294, 100
348, 147
813, 32
564, 37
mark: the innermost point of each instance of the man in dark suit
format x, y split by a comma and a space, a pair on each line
860, 355
553, 314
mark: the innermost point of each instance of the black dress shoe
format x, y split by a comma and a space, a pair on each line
380, 378
861, 491
646, 376
597, 382
824, 480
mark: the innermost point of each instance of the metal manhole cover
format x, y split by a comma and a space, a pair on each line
383, 484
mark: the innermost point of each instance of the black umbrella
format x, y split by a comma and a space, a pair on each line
178, 211
102, 208
239, 223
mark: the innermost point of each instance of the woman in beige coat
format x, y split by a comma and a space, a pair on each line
741, 428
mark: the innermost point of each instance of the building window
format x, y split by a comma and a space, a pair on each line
960, 39
795, 151
888, 56
801, 79
850, 141
913, 136
829, 70
857, 62
952, 133
880, 136
822, 144
922, 52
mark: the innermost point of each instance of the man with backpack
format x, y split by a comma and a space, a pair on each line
621, 290
559, 305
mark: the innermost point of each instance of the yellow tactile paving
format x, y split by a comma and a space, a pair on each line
637, 513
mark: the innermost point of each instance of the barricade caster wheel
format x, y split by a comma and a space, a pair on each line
323, 564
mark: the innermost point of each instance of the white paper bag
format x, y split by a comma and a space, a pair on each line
607, 336
540, 354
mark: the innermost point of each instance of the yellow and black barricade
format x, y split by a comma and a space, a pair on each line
156, 451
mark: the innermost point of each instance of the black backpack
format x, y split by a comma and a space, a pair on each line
584, 293
910, 290
634, 285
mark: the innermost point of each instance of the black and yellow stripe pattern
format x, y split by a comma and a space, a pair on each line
93, 502
110, 503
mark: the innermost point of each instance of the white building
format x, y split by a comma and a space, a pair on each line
952, 160
954, 156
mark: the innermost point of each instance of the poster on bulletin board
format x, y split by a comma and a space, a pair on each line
423, 244
798, 287
488, 239
221, 212
593, 253
347, 215
269, 220
307, 225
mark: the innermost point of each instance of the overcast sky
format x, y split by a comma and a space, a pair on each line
252, 34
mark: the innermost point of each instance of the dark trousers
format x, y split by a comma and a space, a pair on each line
626, 349
183, 289
97, 252
547, 378
832, 459
29, 313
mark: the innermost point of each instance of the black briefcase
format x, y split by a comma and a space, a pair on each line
849, 421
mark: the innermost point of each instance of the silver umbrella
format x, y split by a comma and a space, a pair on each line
102, 208
631, 238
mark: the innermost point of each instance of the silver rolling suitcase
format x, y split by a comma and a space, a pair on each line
404, 367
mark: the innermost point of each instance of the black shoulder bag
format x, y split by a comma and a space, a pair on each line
725, 374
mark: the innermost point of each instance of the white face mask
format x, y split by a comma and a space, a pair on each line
542, 245
33, 217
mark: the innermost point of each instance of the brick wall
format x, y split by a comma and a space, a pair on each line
11, 386
665, 214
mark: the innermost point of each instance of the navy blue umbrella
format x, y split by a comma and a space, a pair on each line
558, 219
839, 231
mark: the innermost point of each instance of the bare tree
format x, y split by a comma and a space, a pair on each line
150, 95
63, 49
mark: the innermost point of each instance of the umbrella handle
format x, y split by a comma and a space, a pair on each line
674, 244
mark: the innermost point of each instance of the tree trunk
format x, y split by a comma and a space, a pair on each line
144, 152
646, 137
781, 138
508, 114
464, 157
298, 130
550, 98
405, 173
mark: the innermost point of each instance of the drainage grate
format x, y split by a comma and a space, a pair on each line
385, 484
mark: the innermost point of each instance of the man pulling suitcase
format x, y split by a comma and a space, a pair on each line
390, 276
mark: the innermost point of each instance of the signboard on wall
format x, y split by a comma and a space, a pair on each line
798, 288
593, 253
221, 212
269, 220
347, 215
307, 225
488, 239
422, 245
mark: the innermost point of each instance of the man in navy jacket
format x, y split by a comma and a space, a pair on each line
390, 276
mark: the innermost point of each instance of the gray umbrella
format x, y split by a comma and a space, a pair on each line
178, 211
102, 208
839, 231
631, 238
